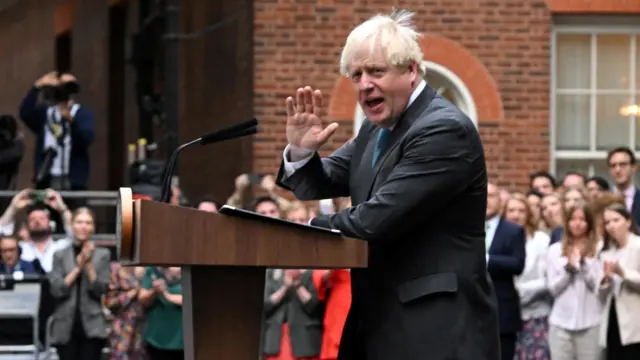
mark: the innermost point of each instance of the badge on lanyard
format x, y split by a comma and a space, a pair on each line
56, 129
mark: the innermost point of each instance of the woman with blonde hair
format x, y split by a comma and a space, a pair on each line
531, 284
574, 196
572, 274
79, 279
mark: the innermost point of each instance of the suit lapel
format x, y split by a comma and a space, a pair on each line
402, 126
365, 172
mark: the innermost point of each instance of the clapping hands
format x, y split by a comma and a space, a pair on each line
292, 277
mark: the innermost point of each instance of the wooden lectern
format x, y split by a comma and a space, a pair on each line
224, 260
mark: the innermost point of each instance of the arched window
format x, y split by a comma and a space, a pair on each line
447, 84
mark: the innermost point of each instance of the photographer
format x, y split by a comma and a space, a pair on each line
11, 151
64, 131
58, 214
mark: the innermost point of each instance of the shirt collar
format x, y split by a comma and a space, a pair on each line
414, 95
630, 192
493, 222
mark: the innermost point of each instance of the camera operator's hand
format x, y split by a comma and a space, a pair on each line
54, 201
65, 110
48, 79
67, 78
21, 200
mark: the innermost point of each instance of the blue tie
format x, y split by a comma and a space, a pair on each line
381, 143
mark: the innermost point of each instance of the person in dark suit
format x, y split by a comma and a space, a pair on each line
505, 243
417, 178
64, 128
10, 261
622, 166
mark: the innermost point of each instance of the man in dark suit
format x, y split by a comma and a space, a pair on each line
622, 166
417, 178
505, 243
10, 261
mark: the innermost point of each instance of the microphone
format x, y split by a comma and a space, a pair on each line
233, 132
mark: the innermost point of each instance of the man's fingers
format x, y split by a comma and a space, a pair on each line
308, 101
300, 100
318, 109
290, 107
327, 132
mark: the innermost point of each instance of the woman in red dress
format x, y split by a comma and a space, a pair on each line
334, 287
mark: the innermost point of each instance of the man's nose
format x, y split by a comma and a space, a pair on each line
365, 83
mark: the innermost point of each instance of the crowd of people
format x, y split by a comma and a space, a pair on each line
564, 257
568, 282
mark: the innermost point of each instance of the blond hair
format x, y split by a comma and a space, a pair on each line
529, 225
395, 34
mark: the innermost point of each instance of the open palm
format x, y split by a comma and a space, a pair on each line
305, 128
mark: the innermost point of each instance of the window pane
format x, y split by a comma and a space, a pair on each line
587, 167
573, 61
612, 128
613, 62
442, 86
572, 122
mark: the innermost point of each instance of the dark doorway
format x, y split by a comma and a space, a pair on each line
117, 64
63, 51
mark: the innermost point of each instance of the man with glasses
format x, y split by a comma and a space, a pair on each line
622, 166
11, 261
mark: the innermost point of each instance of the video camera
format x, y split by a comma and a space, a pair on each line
60, 93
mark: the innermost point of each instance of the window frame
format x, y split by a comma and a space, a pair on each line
593, 154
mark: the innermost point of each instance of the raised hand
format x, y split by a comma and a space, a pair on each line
21, 200
304, 120
50, 78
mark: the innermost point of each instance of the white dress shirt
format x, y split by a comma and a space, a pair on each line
30, 252
306, 155
532, 283
491, 226
576, 305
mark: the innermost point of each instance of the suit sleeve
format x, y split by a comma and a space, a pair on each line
269, 308
320, 178
83, 128
32, 114
103, 276
59, 289
435, 168
511, 264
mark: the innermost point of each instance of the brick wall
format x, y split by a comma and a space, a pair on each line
300, 45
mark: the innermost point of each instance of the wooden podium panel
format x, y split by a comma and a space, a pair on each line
223, 260
222, 312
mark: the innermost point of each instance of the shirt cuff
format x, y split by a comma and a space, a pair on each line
292, 167
487, 257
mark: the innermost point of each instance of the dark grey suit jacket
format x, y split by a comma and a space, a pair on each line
93, 320
304, 320
426, 293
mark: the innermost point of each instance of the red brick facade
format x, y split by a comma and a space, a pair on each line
499, 49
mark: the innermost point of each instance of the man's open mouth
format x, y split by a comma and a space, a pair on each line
374, 102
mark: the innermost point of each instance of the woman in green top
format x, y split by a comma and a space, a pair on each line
161, 294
